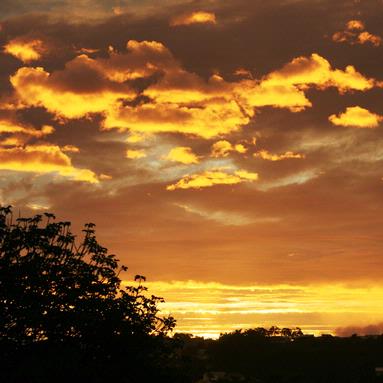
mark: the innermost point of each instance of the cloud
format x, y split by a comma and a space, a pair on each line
10, 127
316, 71
135, 154
44, 158
285, 88
70, 149
208, 120
355, 25
213, 177
182, 154
367, 37
198, 17
181, 102
226, 218
253, 94
172, 99
25, 50
357, 117
65, 93
223, 148
266, 155
355, 33
372, 329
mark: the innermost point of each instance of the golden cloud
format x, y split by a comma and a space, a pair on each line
174, 100
357, 117
70, 149
367, 37
135, 154
316, 71
36, 87
198, 17
182, 154
43, 159
25, 50
10, 127
142, 59
355, 34
266, 155
214, 177
355, 24
252, 94
208, 120
223, 148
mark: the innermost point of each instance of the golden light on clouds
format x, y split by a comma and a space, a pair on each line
210, 178
355, 33
266, 155
198, 17
135, 154
36, 87
43, 159
367, 37
183, 155
355, 24
358, 117
217, 135
180, 101
317, 71
25, 50
223, 148
16, 128
208, 120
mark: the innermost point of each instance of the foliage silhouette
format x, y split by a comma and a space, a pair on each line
59, 297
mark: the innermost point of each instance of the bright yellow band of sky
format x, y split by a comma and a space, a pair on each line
208, 309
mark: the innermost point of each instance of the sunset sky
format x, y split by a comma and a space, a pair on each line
229, 150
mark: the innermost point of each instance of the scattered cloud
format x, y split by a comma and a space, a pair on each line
358, 117
43, 159
212, 88
70, 149
367, 37
61, 94
226, 218
183, 155
25, 50
223, 148
198, 17
175, 100
213, 177
266, 155
355, 25
317, 71
10, 127
355, 33
135, 154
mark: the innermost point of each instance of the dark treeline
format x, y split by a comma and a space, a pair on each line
65, 316
256, 356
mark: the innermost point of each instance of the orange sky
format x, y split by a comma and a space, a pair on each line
231, 151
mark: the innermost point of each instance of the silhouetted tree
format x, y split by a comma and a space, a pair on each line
56, 292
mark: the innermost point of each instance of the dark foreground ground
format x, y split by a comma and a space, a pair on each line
248, 356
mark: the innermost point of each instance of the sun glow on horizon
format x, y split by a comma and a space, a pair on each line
209, 308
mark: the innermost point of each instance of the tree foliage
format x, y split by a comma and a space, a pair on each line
58, 290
